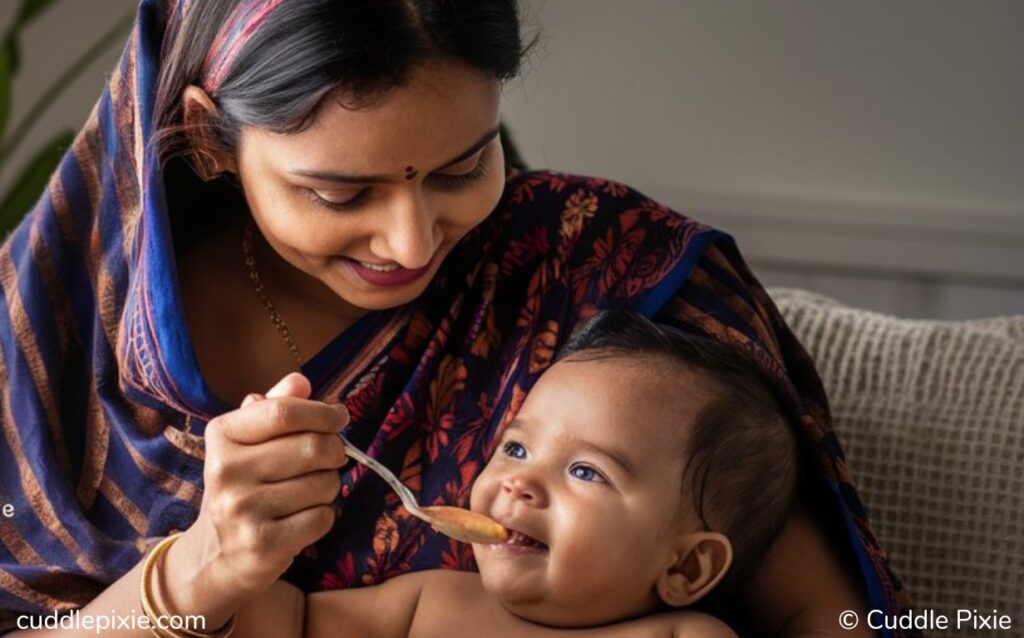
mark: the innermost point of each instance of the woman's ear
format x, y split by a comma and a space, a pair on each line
698, 563
208, 157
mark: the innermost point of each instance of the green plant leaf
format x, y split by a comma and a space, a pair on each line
5, 91
26, 13
10, 49
18, 133
32, 180
30, 9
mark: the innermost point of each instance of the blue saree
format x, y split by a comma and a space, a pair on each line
103, 404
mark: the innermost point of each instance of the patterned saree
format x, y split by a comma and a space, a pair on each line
103, 404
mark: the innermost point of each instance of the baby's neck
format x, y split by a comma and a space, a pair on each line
456, 604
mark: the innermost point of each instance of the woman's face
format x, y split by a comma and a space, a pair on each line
363, 206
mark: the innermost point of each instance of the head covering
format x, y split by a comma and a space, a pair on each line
99, 387
246, 17
103, 404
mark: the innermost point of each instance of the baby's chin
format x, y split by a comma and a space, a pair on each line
552, 614
531, 600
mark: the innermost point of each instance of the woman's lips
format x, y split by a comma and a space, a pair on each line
396, 277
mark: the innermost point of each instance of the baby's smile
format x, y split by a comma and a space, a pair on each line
520, 543
593, 510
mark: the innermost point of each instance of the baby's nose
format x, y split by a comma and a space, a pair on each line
520, 488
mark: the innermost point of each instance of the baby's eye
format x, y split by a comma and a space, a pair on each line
585, 473
513, 449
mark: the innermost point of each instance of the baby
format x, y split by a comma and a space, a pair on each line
647, 470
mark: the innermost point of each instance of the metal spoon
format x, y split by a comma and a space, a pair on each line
460, 524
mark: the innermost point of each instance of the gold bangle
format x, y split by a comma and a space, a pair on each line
154, 612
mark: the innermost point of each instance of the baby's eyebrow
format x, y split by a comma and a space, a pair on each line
617, 456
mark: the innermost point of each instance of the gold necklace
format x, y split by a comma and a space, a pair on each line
254, 276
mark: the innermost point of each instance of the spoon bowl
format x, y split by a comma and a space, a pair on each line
461, 524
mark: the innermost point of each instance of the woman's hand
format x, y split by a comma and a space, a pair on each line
271, 475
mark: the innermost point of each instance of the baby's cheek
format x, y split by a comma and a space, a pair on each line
583, 543
473, 498
478, 493
618, 548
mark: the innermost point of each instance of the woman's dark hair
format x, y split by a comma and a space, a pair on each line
305, 49
742, 468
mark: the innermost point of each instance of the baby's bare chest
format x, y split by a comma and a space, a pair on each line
455, 605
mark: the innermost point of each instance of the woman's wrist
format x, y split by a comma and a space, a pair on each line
190, 584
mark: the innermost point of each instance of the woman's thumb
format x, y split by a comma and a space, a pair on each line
251, 398
292, 385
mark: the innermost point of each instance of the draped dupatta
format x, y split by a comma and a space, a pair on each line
103, 404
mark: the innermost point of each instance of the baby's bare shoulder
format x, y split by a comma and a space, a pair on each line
694, 624
455, 604
385, 611
451, 604
676, 624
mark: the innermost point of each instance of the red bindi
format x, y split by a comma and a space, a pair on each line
410, 172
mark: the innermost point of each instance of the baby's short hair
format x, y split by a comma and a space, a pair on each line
742, 464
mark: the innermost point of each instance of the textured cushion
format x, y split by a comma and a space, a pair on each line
931, 417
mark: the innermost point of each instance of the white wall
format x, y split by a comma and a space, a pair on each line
909, 103
49, 45
868, 149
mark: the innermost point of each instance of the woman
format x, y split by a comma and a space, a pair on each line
271, 186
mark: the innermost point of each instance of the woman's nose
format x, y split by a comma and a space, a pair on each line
522, 488
408, 235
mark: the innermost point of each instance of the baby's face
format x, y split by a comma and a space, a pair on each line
588, 478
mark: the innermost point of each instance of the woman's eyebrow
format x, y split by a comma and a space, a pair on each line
482, 142
350, 178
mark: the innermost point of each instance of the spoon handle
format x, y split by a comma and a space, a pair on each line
408, 500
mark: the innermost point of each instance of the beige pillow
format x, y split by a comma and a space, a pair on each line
931, 417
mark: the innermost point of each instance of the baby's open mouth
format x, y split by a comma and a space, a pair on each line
520, 539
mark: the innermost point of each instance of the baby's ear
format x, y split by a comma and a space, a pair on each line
699, 562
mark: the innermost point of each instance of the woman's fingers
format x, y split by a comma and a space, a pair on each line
301, 529
251, 398
261, 421
292, 384
284, 498
270, 476
288, 457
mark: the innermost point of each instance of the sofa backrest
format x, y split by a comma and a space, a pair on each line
931, 417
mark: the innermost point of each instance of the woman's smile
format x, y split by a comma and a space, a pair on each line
381, 236
389, 274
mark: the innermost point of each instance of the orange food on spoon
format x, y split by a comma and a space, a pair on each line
465, 525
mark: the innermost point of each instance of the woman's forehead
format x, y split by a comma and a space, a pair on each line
440, 110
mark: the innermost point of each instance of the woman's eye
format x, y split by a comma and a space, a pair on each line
336, 201
513, 449
585, 473
455, 181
